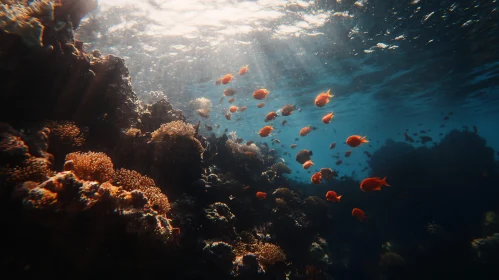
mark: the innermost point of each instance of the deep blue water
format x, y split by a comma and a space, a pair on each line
392, 66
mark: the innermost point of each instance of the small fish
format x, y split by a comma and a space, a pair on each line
359, 214
231, 100
297, 139
373, 184
260, 94
303, 155
276, 141
308, 164
292, 146
356, 140
425, 139
233, 109
261, 195
446, 117
271, 116
207, 127
332, 146
305, 131
227, 78
243, 108
243, 70
338, 162
328, 173
348, 153
265, 131
328, 118
408, 138
332, 196
261, 105
287, 109
323, 98
316, 178
248, 143
368, 154
228, 116
229, 92
221, 100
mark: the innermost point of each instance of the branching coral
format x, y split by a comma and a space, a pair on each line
27, 20
92, 166
132, 180
65, 132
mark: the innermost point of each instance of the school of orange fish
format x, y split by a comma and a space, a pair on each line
354, 141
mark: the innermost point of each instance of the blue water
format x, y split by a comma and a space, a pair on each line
392, 66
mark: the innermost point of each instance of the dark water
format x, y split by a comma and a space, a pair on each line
419, 79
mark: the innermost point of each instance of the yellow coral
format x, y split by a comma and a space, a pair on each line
92, 166
173, 129
132, 180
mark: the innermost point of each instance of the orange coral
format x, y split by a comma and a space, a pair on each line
33, 169
132, 180
270, 253
66, 132
92, 166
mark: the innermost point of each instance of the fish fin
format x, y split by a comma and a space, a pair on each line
339, 198
363, 139
384, 182
378, 188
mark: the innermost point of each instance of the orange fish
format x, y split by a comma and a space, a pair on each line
231, 100
243, 70
229, 92
356, 140
261, 105
271, 116
233, 109
227, 78
228, 116
323, 98
348, 153
316, 178
332, 196
308, 164
373, 184
327, 118
265, 131
332, 146
306, 130
261, 195
359, 214
260, 93
242, 109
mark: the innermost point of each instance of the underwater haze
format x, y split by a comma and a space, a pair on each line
391, 65
249, 140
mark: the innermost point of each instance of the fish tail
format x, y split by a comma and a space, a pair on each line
364, 140
339, 198
328, 93
384, 183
